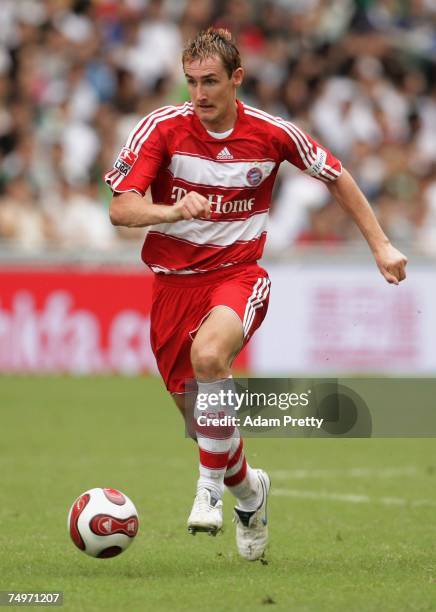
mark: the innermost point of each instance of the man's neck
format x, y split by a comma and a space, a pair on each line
225, 123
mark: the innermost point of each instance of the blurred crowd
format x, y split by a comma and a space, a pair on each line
76, 76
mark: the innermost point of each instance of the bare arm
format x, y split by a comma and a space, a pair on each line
390, 261
132, 210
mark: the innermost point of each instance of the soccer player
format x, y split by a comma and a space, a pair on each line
211, 165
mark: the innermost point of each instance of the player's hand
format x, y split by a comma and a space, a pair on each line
191, 206
391, 263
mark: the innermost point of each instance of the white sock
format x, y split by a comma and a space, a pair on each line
214, 441
240, 479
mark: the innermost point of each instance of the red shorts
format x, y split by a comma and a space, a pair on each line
180, 304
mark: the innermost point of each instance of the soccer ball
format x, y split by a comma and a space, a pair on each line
103, 522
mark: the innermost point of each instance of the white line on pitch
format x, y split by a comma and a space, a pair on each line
300, 474
352, 498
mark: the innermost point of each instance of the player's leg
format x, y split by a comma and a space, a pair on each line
239, 478
247, 298
216, 343
222, 459
214, 349
172, 344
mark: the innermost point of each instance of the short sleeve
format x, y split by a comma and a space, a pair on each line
302, 151
139, 160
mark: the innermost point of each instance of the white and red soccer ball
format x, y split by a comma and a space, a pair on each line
103, 522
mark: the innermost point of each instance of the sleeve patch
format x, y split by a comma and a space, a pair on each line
125, 161
318, 165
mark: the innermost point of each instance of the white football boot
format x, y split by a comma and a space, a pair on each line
252, 527
206, 514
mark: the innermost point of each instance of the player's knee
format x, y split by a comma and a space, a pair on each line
208, 363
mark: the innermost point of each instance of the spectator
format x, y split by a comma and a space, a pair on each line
21, 220
80, 219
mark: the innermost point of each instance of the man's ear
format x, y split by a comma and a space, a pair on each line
238, 76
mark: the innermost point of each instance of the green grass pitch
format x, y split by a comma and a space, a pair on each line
352, 522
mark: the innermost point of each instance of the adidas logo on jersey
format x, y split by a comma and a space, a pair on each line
224, 154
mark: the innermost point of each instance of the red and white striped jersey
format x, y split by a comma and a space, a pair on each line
171, 151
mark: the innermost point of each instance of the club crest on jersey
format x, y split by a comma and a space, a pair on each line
125, 161
254, 176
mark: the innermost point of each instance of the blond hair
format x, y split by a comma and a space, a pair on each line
211, 42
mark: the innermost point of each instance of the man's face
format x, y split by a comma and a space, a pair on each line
212, 91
